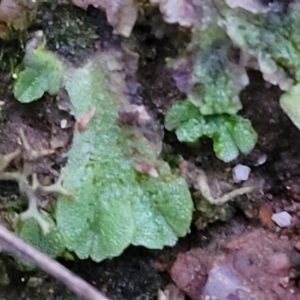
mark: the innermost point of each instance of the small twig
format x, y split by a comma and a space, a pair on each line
11, 243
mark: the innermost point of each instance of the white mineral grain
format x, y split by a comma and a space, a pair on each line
261, 160
63, 123
240, 173
282, 219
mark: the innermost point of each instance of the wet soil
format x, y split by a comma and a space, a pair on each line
138, 273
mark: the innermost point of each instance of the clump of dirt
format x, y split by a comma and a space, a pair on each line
255, 264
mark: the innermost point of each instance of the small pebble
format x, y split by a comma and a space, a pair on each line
278, 263
221, 282
282, 219
63, 123
261, 160
240, 173
284, 281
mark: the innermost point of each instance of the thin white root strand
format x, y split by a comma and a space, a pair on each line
203, 187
